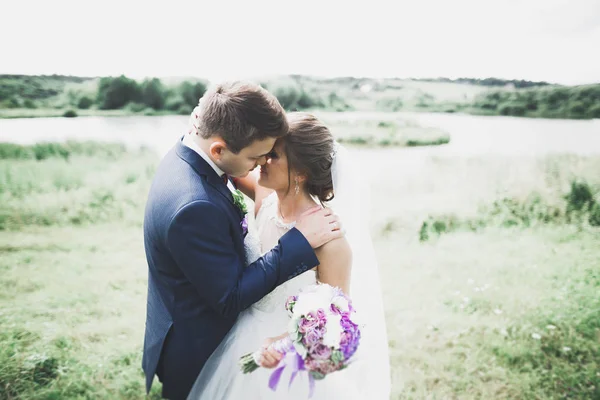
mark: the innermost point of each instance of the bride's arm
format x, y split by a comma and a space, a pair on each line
335, 269
335, 265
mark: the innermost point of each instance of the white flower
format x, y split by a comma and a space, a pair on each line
477, 289
333, 331
324, 291
466, 299
470, 281
551, 327
504, 332
308, 302
536, 336
566, 349
341, 303
497, 311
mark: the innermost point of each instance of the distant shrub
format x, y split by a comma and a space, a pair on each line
549, 102
15, 151
389, 104
578, 205
580, 197
355, 140
12, 102
84, 103
293, 96
183, 110
153, 93
70, 114
136, 107
114, 93
45, 150
594, 111
431, 142
577, 109
512, 110
594, 218
191, 93
435, 226
28, 103
174, 103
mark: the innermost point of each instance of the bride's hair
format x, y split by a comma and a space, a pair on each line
309, 149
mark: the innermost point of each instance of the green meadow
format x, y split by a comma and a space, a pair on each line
491, 278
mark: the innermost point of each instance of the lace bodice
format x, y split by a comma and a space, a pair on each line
262, 236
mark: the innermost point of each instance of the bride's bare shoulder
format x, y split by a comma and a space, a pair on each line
335, 254
337, 247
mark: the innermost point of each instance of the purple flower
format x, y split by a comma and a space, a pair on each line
320, 352
335, 309
322, 317
312, 337
244, 225
350, 338
308, 323
322, 366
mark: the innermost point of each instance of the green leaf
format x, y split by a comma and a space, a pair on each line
337, 356
238, 200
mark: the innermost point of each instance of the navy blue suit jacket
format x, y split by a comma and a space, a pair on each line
198, 282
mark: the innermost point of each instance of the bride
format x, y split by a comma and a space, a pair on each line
304, 168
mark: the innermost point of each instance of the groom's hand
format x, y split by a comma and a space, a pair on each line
319, 226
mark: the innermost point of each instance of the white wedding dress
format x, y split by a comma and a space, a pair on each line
367, 377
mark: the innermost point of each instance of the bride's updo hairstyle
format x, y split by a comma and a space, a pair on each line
309, 149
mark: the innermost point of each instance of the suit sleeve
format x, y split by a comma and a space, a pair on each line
200, 241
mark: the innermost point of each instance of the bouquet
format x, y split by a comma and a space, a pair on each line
321, 336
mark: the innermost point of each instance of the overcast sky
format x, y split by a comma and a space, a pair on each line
551, 40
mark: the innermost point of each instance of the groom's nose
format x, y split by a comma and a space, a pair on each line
262, 160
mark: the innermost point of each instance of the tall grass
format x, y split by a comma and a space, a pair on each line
501, 299
70, 217
501, 313
76, 183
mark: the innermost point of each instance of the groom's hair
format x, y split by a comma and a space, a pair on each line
240, 113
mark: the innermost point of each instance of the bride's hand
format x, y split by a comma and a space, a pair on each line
269, 357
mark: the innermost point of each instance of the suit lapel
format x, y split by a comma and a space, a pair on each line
203, 168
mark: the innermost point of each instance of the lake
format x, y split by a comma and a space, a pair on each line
470, 135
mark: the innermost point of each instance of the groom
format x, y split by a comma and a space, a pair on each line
194, 235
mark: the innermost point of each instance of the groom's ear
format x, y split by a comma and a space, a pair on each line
217, 148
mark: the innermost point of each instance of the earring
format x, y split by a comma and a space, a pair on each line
297, 188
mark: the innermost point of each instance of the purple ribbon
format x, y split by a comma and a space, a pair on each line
295, 364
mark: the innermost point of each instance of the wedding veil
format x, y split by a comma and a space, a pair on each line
351, 203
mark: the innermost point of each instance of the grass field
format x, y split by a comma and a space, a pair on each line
497, 310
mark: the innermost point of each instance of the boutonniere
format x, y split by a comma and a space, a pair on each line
238, 200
